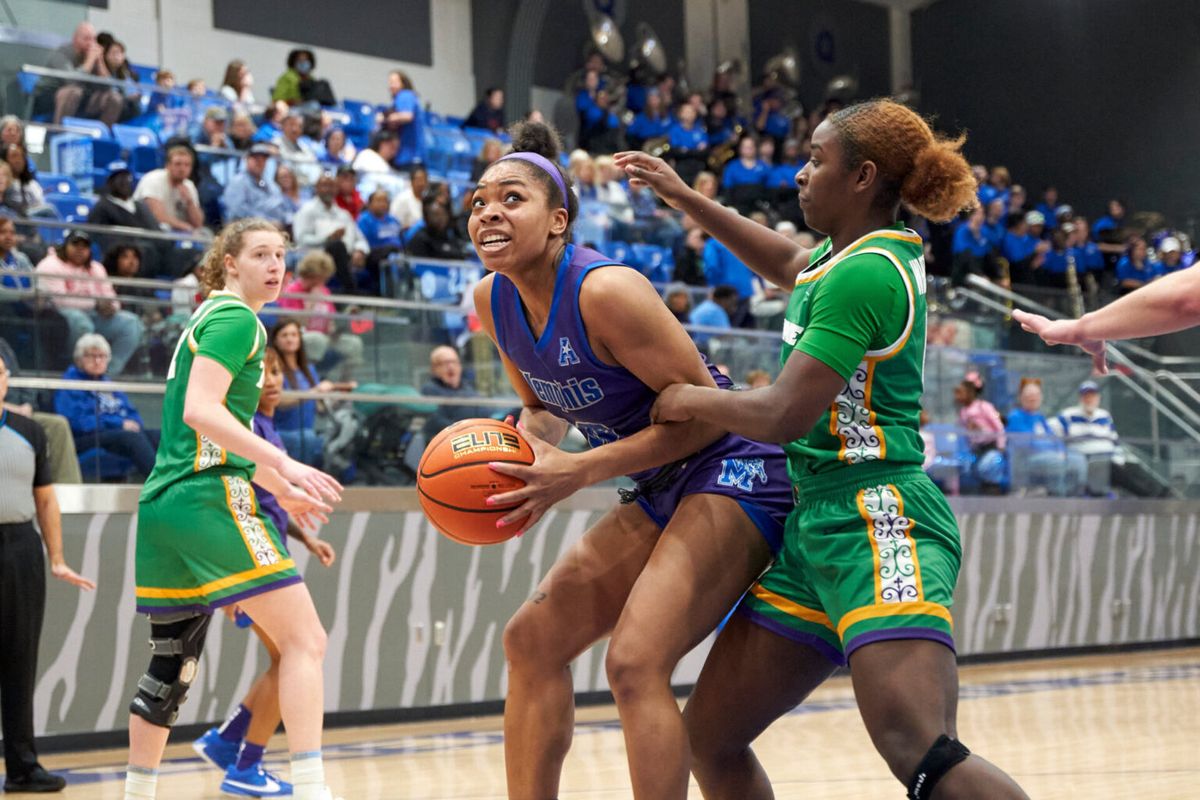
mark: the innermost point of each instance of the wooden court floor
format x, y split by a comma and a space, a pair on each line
1113, 726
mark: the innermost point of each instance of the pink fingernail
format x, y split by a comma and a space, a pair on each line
500, 523
491, 501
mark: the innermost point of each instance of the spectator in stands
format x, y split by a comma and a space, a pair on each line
212, 128
119, 69
1088, 431
1049, 207
599, 127
689, 143
382, 231
720, 124
89, 305
272, 122
689, 258
492, 149
999, 181
972, 251
24, 194
716, 311
582, 169
116, 206
1170, 255
64, 461
446, 380
297, 85
1089, 260
1017, 199
33, 324
406, 205
984, 430
297, 150
289, 187
337, 149
1023, 251
104, 419
12, 130
250, 194
322, 223
320, 328
437, 238
378, 157
782, 176
488, 113
1113, 221
706, 184
236, 86
404, 119
744, 179
721, 266
241, 131
1036, 454
170, 194
6, 182
994, 227
652, 122
769, 119
296, 419
82, 54
347, 197
1135, 269
678, 301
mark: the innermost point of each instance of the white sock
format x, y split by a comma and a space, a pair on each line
140, 783
308, 776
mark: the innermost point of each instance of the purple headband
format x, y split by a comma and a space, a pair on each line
545, 165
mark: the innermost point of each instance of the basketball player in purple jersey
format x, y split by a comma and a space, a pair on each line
589, 342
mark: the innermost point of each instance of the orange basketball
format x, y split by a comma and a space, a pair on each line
454, 480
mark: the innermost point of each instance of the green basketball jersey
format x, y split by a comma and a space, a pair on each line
862, 313
228, 331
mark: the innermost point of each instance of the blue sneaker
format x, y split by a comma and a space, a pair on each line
254, 781
215, 750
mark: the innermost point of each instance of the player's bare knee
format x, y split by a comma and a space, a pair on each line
632, 669
900, 747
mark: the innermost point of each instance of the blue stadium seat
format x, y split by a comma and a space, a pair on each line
132, 136
144, 158
654, 261
98, 464
27, 81
362, 114
95, 127
145, 72
619, 251
53, 183
71, 207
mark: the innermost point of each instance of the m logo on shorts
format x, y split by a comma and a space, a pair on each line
741, 473
566, 353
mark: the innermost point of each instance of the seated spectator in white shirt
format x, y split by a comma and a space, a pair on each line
170, 194
320, 222
378, 156
250, 194
406, 205
90, 306
1088, 430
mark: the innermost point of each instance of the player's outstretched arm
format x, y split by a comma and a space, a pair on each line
772, 255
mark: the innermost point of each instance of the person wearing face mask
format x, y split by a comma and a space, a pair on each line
291, 85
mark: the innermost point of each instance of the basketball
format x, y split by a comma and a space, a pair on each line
454, 480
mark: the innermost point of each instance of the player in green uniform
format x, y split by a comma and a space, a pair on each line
871, 552
201, 541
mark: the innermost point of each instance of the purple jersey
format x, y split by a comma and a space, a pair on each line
607, 403
264, 427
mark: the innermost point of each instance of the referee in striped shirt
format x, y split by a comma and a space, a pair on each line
25, 492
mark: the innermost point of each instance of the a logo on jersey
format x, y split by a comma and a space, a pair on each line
566, 353
741, 473
791, 332
596, 434
573, 395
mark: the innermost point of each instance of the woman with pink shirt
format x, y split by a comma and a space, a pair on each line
985, 433
79, 288
320, 328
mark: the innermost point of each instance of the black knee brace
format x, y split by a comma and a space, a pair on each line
176, 641
938, 760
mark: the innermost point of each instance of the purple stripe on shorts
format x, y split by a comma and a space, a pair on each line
893, 634
811, 639
224, 601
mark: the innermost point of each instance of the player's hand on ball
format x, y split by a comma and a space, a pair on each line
671, 405
551, 477
1064, 331
311, 480
644, 169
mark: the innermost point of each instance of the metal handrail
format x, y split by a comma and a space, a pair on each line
112, 230
73, 76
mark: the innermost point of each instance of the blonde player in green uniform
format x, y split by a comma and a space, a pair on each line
201, 541
871, 551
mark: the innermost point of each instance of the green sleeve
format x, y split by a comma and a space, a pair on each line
861, 305
287, 87
228, 336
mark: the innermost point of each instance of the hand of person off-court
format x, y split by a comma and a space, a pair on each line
1064, 331
644, 169
550, 478
65, 573
671, 404
322, 549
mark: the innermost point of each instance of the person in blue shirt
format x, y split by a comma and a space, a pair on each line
405, 117
714, 312
1087, 254
783, 174
272, 122
1113, 221
1058, 258
722, 267
972, 251
720, 123
994, 224
652, 122
1049, 207
747, 169
1135, 269
250, 194
1038, 458
382, 232
688, 141
769, 119
997, 186
1170, 254
599, 127
1023, 251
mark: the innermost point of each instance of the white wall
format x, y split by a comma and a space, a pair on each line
715, 31
184, 41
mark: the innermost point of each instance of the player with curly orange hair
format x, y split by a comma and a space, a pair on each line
871, 551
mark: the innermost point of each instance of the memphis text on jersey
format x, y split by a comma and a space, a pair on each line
574, 395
